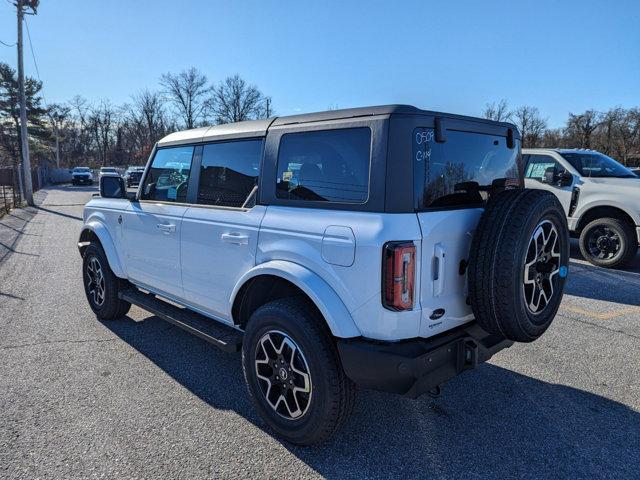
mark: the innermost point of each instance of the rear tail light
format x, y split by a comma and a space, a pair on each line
398, 275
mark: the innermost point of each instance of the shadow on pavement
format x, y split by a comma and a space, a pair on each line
605, 284
68, 187
74, 217
489, 422
12, 227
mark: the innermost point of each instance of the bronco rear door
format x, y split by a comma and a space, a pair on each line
452, 180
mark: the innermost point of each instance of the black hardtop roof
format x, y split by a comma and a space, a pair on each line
256, 128
397, 109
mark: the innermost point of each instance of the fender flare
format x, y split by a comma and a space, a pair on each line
101, 231
606, 203
331, 307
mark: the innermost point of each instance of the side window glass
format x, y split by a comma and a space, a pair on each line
325, 165
229, 173
538, 164
168, 176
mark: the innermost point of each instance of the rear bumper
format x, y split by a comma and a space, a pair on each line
414, 367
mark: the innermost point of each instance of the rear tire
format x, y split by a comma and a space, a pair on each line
305, 401
609, 242
518, 264
101, 285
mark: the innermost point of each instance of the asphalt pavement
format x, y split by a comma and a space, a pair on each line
139, 398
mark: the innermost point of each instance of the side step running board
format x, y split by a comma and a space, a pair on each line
222, 336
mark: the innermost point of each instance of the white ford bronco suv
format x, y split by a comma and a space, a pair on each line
386, 247
600, 197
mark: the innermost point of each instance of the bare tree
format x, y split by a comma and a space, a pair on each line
580, 128
628, 135
188, 91
58, 115
498, 111
102, 120
530, 124
553, 138
234, 101
143, 123
148, 110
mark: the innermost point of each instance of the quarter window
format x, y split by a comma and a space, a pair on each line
168, 176
325, 165
229, 173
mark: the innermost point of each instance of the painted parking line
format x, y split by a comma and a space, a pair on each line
602, 315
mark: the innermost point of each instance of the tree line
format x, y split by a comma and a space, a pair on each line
615, 132
100, 133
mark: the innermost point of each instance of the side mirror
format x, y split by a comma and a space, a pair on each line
112, 186
565, 179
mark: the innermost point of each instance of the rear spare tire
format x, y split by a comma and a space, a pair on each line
518, 264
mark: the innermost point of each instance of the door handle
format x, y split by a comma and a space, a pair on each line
235, 238
438, 281
166, 227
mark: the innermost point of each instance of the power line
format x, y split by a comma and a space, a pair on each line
8, 44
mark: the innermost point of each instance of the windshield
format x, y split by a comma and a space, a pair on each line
594, 164
108, 169
81, 169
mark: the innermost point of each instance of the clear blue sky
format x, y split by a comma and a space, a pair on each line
453, 55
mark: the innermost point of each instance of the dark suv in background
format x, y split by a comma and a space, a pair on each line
133, 175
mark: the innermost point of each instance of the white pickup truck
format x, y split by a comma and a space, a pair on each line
386, 247
600, 197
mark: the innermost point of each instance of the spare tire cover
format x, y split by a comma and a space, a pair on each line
518, 263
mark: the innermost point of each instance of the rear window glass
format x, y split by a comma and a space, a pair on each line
325, 166
456, 172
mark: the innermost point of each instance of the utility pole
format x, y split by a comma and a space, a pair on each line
26, 162
267, 109
55, 129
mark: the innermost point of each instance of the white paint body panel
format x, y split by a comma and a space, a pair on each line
218, 247
334, 256
446, 243
296, 235
151, 245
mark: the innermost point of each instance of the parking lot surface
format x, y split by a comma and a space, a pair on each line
138, 398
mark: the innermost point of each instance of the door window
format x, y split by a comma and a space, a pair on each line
538, 164
168, 176
325, 165
229, 173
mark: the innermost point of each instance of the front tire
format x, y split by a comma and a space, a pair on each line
609, 243
293, 372
101, 285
